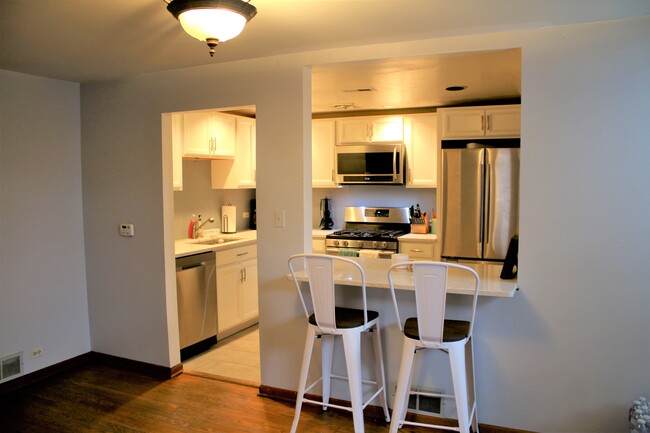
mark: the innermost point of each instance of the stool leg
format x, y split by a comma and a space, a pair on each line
327, 344
304, 369
471, 385
403, 382
457, 360
352, 348
379, 369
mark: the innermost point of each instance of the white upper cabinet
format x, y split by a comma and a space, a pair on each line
239, 172
421, 140
374, 129
498, 121
323, 158
209, 135
172, 137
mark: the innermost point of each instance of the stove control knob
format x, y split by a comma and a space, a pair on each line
374, 244
384, 244
360, 244
336, 243
345, 243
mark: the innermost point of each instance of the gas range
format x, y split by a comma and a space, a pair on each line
369, 228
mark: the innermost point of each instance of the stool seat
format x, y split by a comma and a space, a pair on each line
454, 330
347, 318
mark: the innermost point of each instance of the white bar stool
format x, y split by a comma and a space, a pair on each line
326, 320
430, 330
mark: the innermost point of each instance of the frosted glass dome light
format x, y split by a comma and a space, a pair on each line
212, 21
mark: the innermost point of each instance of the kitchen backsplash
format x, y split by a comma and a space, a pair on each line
198, 197
369, 195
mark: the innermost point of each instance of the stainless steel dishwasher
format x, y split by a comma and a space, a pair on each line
197, 298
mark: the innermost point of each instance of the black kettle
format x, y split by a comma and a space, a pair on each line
326, 222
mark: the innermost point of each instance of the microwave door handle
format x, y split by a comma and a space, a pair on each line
395, 164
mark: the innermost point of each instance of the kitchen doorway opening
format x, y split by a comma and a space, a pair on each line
214, 211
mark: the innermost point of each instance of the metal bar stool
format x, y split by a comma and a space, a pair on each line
430, 330
326, 321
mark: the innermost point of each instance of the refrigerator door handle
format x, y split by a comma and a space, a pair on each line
488, 202
481, 219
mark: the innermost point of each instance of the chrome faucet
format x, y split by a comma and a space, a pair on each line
198, 227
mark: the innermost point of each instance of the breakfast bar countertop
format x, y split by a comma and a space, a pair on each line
460, 282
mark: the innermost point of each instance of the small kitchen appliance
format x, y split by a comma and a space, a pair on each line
228, 219
252, 223
369, 232
326, 222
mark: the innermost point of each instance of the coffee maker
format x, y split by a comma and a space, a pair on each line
326, 222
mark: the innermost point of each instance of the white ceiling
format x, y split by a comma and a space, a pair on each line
93, 40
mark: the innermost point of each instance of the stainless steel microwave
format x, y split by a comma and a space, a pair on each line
370, 164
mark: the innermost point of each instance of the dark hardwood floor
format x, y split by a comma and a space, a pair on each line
100, 398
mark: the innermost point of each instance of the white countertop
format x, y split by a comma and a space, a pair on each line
377, 276
318, 233
424, 237
187, 247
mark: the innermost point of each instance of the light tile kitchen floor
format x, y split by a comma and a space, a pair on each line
237, 356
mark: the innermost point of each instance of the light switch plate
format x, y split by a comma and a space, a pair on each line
127, 230
278, 217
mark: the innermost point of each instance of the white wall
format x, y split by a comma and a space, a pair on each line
43, 300
569, 352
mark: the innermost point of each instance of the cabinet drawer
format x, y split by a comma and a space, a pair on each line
235, 255
416, 250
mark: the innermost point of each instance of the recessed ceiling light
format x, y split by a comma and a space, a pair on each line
455, 88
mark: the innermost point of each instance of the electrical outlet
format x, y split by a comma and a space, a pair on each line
278, 218
35, 353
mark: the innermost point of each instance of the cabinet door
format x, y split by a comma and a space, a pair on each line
353, 130
240, 171
248, 301
177, 150
503, 121
197, 136
463, 123
245, 153
323, 162
228, 281
421, 151
223, 134
387, 129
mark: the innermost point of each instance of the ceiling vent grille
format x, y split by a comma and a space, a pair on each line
11, 365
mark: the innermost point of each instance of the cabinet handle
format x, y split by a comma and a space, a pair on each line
333, 180
242, 254
245, 276
417, 250
483, 122
489, 122
241, 275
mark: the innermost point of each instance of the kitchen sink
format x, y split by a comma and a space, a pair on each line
216, 241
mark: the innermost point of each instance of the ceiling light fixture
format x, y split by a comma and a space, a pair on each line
212, 21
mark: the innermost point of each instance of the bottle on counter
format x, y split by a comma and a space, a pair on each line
190, 231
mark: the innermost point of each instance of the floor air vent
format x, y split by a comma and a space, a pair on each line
426, 404
11, 365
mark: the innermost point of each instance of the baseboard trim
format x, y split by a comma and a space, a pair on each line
376, 412
156, 371
153, 370
45, 373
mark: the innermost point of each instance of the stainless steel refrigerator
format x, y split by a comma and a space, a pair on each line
480, 202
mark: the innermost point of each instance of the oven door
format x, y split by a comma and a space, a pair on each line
370, 164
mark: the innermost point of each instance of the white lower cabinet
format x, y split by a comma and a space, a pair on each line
237, 299
420, 249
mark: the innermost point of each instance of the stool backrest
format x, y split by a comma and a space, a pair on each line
320, 272
430, 281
